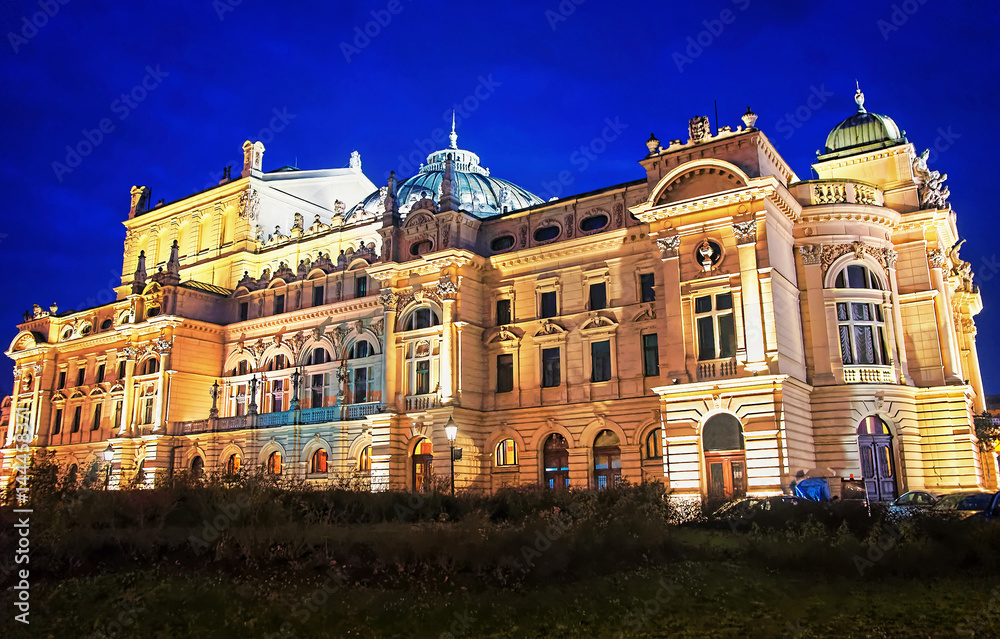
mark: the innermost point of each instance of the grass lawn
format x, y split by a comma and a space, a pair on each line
686, 599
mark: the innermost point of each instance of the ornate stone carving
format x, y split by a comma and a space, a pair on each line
810, 254
699, 128
387, 298
568, 225
162, 345
937, 258
447, 289
130, 351
619, 210
745, 232
669, 246
933, 193
249, 204
549, 327
523, 233
831, 252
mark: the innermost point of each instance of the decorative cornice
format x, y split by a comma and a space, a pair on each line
669, 246
831, 252
810, 254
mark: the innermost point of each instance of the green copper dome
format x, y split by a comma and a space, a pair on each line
862, 132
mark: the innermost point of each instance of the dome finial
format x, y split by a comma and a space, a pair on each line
453, 136
859, 98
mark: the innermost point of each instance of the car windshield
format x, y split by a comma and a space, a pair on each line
949, 502
978, 501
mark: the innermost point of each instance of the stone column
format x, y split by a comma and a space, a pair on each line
162, 348
388, 300
128, 396
946, 324
975, 374
753, 321
672, 347
823, 342
903, 372
447, 291
14, 412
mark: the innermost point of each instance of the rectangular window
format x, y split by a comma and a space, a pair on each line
650, 356
503, 312
121, 369
646, 291
598, 296
57, 422
97, 418
244, 311
100, 373
279, 304
62, 379
76, 419
81, 376
549, 304
600, 360
316, 392
550, 367
147, 417
241, 400
505, 373
423, 377
118, 415
361, 286
360, 385
317, 296
716, 326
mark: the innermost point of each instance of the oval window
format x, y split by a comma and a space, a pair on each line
106, 324
546, 233
593, 223
419, 248
153, 312
502, 243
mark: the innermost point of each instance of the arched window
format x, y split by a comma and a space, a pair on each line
277, 363
654, 447
365, 460
273, 465
318, 356
857, 276
423, 317
197, 466
423, 460
861, 321
150, 366
71, 475
506, 453
361, 348
233, 464
242, 368
555, 456
607, 459
318, 463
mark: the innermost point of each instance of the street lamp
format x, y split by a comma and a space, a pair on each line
451, 430
109, 454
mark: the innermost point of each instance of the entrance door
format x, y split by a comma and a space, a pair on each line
725, 460
423, 459
555, 457
877, 459
727, 476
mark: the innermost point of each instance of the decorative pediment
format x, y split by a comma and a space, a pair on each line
549, 327
97, 392
58, 397
598, 323
700, 181
418, 218
647, 313
117, 387
503, 335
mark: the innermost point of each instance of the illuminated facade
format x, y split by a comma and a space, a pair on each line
717, 324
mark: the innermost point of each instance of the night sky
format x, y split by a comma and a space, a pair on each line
177, 89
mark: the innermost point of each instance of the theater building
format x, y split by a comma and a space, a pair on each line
717, 324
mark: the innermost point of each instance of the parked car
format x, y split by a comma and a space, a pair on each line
967, 504
915, 499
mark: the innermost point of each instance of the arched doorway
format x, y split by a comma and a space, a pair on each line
197, 467
725, 458
555, 455
607, 459
878, 465
423, 461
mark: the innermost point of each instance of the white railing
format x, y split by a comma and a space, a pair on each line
717, 369
422, 402
869, 375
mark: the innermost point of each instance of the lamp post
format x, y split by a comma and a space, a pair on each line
451, 430
214, 393
296, 379
109, 455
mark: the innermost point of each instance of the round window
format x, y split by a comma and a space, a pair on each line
502, 243
419, 248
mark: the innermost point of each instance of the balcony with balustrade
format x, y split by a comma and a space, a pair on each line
305, 416
833, 191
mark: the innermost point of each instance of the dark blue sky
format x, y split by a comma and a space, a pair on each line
538, 81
